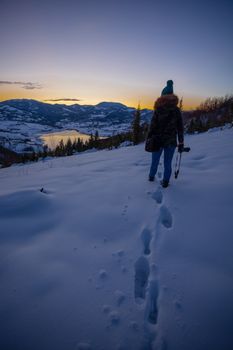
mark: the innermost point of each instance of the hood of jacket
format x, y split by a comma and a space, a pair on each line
167, 101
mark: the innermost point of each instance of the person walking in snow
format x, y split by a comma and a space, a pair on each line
166, 125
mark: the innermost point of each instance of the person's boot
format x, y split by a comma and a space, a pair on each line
151, 178
164, 183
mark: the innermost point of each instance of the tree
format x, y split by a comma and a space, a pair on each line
61, 147
81, 145
181, 104
191, 127
45, 151
144, 130
230, 112
199, 125
136, 129
96, 139
91, 141
69, 147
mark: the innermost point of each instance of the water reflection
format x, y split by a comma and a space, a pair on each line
53, 139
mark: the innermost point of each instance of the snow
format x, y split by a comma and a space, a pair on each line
9, 108
18, 136
103, 259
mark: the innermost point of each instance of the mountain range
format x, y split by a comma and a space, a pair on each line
110, 113
24, 121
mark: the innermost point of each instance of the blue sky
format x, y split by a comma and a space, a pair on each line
122, 51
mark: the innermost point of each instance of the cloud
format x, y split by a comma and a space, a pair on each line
24, 85
63, 99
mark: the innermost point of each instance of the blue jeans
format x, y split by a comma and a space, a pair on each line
168, 155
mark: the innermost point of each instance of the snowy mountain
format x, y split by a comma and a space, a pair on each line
57, 114
93, 256
23, 121
111, 105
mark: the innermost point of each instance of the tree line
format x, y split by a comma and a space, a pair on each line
213, 112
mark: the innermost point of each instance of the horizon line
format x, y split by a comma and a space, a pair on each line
186, 109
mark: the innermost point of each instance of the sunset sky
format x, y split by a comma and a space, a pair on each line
88, 51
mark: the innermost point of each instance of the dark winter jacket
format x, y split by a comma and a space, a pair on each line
166, 123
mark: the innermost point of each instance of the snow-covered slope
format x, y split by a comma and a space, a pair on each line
103, 259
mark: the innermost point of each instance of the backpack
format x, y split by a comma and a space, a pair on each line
153, 143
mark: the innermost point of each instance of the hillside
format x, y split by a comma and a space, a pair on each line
93, 256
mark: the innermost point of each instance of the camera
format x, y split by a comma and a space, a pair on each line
186, 149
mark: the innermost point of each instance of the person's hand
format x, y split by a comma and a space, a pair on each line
180, 147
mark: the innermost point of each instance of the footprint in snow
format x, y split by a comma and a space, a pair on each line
124, 211
106, 309
120, 253
165, 217
158, 196
123, 269
199, 157
146, 239
178, 305
120, 297
142, 271
114, 318
152, 299
103, 275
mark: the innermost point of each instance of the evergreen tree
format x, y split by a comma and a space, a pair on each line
61, 148
90, 142
33, 157
117, 140
136, 130
144, 130
191, 127
181, 104
80, 145
69, 147
96, 139
230, 112
45, 151
74, 145
199, 125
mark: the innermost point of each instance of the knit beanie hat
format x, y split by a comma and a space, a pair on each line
168, 90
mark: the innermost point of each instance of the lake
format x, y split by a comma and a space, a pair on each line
53, 139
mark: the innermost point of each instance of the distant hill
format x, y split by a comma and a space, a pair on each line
26, 110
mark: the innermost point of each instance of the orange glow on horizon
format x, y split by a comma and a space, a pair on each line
188, 102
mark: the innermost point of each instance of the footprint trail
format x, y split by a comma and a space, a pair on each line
142, 271
158, 196
152, 300
165, 217
146, 237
